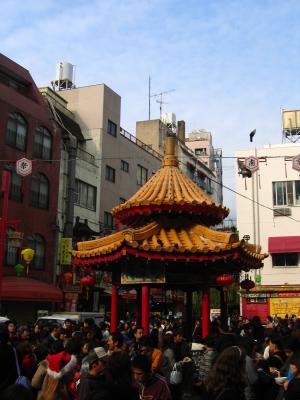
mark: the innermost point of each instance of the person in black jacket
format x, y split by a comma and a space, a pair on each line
293, 386
8, 369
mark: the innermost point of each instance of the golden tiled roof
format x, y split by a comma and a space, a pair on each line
169, 186
157, 238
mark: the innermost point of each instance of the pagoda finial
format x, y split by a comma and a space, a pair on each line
170, 158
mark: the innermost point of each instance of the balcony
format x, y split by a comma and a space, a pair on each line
85, 156
139, 143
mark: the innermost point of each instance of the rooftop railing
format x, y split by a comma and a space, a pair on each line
139, 143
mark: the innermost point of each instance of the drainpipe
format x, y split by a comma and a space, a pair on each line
71, 146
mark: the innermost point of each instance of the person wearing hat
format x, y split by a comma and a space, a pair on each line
93, 380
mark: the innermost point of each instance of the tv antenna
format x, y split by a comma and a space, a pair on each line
159, 98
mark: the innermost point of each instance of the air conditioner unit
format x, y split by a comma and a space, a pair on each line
282, 212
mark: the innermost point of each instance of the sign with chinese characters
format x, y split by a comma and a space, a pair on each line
65, 256
296, 162
283, 306
24, 167
149, 274
252, 163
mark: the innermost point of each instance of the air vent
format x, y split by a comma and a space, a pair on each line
282, 212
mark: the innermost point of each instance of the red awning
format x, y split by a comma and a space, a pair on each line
26, 289
284, 244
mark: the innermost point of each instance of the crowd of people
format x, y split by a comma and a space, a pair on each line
248, 360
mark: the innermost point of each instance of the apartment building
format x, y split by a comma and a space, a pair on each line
268, 213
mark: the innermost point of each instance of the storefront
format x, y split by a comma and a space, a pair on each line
271, 300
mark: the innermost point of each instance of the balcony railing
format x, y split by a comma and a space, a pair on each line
85, 156
139, 143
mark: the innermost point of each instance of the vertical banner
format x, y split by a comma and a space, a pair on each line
65, 256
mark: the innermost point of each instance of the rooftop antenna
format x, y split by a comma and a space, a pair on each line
160, 99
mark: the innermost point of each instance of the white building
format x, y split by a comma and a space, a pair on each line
268, 210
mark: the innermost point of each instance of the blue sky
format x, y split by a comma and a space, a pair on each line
234, 63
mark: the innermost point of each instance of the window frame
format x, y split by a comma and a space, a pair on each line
44, 133
19, 121
287, 194
124, 166
112, 128
11, 253
277, 255
140, 179
17, 193
110, 174
36, 199
84, 203
108, 216
38, 262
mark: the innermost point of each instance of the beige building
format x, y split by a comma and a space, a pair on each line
120, 162
205, 171
268, 211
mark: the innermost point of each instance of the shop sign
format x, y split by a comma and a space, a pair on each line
24, 167
255, 295
251, 163
72, 288
65, 256
149, 274
284, 306
71, 296
285, 294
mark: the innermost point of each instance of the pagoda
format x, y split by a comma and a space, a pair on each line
168, 241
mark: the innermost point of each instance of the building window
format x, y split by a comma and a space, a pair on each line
11, 252
286, 193
39, 193
42, 147
37, 243
110, 174
111, 128
15, 190
201, 151
285, 259
124, 166
16, 132
122, 200
108, 220
86, 195
142, 175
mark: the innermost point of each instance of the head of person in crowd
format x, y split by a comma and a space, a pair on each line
23, 332
85, 348
275, 343
141, 368
295, 365
17, 392
90, 335
41, 352
11, 327
178, 336
115, 342
145, 345
97, 359
119, 369
247, 343
89, 323
138, 333
289, 345
296, 330
168, 341
269, 320
55, 330
68, 324
228, 371
209, 342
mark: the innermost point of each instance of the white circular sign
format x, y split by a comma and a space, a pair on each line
24, 166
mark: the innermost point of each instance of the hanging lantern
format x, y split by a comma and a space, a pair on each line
68, 277
88, 282
15, 238
27, 255
247, 284
258, 279
19, 268
224, 280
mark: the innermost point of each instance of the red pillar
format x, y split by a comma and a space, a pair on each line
205, 312
114, 308
145, 309
5, 191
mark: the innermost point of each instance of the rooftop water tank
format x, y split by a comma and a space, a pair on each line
64, 72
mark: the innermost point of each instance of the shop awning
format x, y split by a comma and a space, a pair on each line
26, 289
284, 244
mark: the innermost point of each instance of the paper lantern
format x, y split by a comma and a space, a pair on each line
247, 284
224, 280
88, 281
68, 277
19, 268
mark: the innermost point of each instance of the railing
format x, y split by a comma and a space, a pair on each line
85, 156
139, 143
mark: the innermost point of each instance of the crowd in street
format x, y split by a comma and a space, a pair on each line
249, 360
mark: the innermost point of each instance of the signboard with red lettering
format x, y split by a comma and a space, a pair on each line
252, 163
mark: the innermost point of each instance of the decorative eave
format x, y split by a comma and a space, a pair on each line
170, 191
156, 241
272, 289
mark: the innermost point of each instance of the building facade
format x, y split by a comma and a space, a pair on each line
268, 211
27, 130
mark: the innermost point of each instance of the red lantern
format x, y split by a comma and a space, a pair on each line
247, 284
88, 281
224, 280
68, 277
